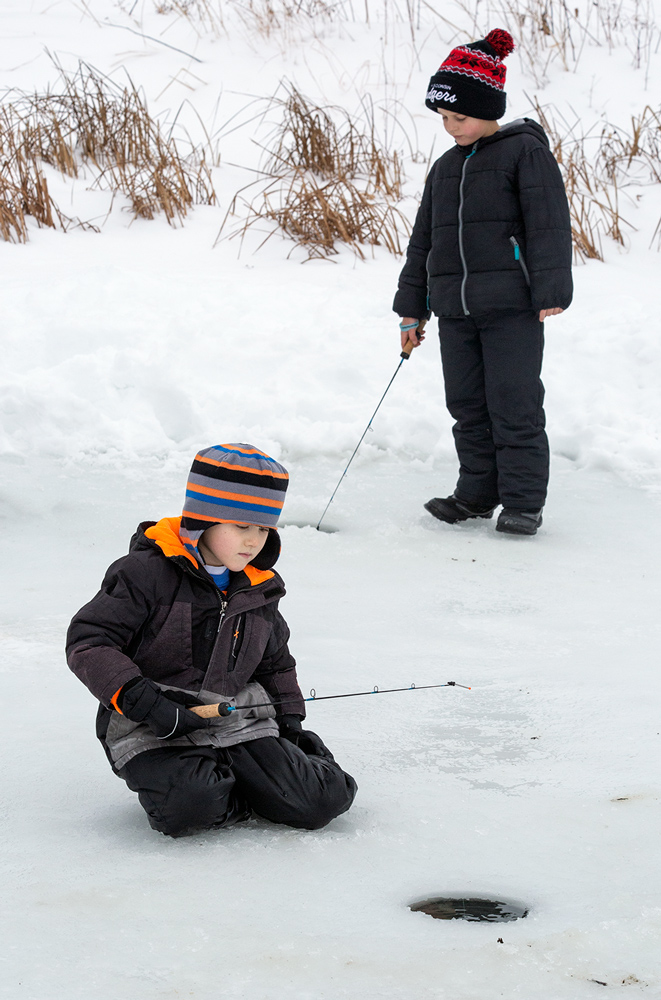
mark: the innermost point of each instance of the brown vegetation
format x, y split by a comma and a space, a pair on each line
597, 167
328, 180
91, 122
548, 31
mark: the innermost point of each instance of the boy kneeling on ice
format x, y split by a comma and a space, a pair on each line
190, 616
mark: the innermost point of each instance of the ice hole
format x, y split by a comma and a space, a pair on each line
458, 908
326, 528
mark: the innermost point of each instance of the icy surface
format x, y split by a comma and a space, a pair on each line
539, 785
126, 351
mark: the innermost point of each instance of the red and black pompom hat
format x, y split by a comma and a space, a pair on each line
471, 81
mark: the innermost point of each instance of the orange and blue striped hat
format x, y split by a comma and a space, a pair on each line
231, 482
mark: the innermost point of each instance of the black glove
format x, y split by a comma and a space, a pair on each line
307, 741
141, 700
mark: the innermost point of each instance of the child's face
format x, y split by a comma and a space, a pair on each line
465, 131
233, 544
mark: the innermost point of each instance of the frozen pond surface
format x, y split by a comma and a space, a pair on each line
540, 784
123, 352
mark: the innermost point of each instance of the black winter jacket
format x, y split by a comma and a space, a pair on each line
159, 616
492, 231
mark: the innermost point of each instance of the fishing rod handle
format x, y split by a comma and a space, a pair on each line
409, 346
221, 708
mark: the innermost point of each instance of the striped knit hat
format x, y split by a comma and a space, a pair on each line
471, 81
234, 482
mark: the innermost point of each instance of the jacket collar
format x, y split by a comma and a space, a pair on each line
165, 535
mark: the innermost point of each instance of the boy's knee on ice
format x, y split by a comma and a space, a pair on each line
198, 789
190, 616
185, 791
286, 785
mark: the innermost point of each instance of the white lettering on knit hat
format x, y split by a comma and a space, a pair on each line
440, 92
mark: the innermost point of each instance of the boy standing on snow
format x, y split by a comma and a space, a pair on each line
490, 255
189, 617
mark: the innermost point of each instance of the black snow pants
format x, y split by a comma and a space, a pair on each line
491, 367
183, 791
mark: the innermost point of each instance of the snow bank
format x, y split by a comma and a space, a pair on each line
144, 341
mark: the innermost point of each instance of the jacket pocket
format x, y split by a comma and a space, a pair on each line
518, 255
254, 640
166, 650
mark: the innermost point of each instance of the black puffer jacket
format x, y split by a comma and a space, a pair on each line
492, 231
160, 616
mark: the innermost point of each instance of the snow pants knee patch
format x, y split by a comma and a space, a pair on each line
285, 785
184, 791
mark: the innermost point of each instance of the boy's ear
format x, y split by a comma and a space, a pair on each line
268, 557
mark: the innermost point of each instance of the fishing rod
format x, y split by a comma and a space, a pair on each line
405, 355
224, 708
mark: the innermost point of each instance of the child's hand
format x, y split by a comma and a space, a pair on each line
304, 739
415, 334
549, 312
143, 701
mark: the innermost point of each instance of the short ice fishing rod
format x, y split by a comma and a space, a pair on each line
224, 707
405, 355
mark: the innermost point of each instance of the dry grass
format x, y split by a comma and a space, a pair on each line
265, 18
258, 17
549, 31
597, 167
593, 200
333, 145
633, 157
319, 216
207, 14
328, 180
23, 187
90, 122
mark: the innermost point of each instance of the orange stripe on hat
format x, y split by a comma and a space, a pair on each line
245, 497
243, 468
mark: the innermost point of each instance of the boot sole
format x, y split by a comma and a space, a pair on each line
450, 516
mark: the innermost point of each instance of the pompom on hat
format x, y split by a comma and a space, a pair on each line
471, 81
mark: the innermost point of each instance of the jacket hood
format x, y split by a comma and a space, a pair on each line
165, 535
520, 126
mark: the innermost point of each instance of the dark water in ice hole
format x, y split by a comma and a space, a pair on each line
455, 908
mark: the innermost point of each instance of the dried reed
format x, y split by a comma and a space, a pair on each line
318, 216
308, 138
203, 12
267, 17
23, 186
92, 122
593, 198
328, 181
548, 31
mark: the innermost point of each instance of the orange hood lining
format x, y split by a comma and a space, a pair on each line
166, 535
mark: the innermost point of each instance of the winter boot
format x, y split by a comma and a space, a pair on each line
451, 510
519, 522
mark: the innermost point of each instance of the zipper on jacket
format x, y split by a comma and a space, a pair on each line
519, 256
223, 611
461, 232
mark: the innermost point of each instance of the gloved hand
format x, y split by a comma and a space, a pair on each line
142, 700
307, 741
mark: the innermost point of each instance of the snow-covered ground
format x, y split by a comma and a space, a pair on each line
126, 351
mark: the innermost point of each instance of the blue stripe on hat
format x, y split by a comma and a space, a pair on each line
241, 504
